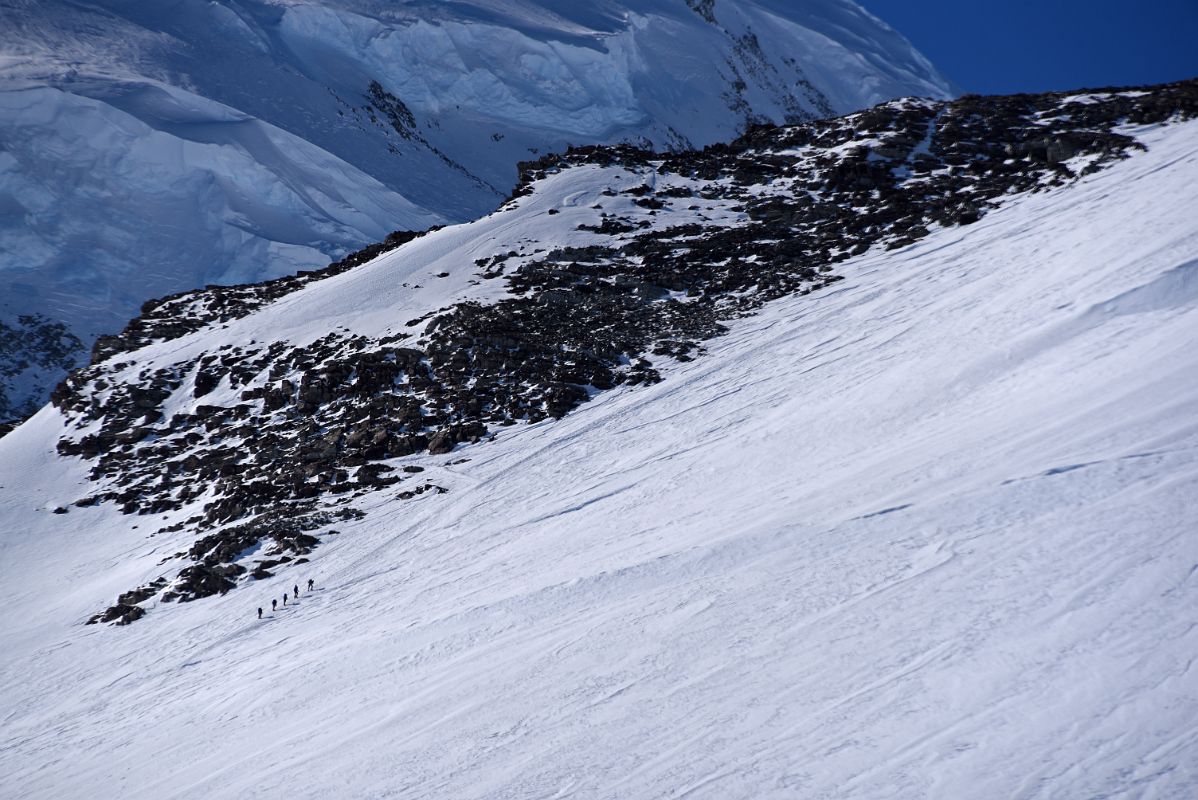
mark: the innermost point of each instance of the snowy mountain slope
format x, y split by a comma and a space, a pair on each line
262, 426
925, 532
148, 148
926, 535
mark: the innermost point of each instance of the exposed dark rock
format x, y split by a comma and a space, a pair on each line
201, 580
119, 615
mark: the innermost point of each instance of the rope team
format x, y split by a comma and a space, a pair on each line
295, 593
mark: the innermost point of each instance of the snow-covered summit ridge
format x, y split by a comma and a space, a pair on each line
150, 148
609, 262
925, 533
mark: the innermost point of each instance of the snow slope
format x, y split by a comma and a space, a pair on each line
149, 148
927, 533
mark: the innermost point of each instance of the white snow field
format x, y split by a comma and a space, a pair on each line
148, 148
929, 533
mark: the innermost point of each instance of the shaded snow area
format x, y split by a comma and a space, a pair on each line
928, 532
150, 148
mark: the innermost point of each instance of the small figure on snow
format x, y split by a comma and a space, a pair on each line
309, 584
284, 598
274, 605
259, 612
295, 590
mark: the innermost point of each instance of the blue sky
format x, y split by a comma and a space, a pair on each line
1004, 46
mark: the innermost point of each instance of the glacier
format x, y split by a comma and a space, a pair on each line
150, 148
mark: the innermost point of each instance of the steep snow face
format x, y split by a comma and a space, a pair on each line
148, 148
228, 201
928, 533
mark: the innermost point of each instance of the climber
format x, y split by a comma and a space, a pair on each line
284, 598
309, 584
295, 590
274, 605
259, 612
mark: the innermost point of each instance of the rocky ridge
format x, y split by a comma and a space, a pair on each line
697, 240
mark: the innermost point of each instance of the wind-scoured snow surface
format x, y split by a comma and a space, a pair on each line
149, 148
927, 533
